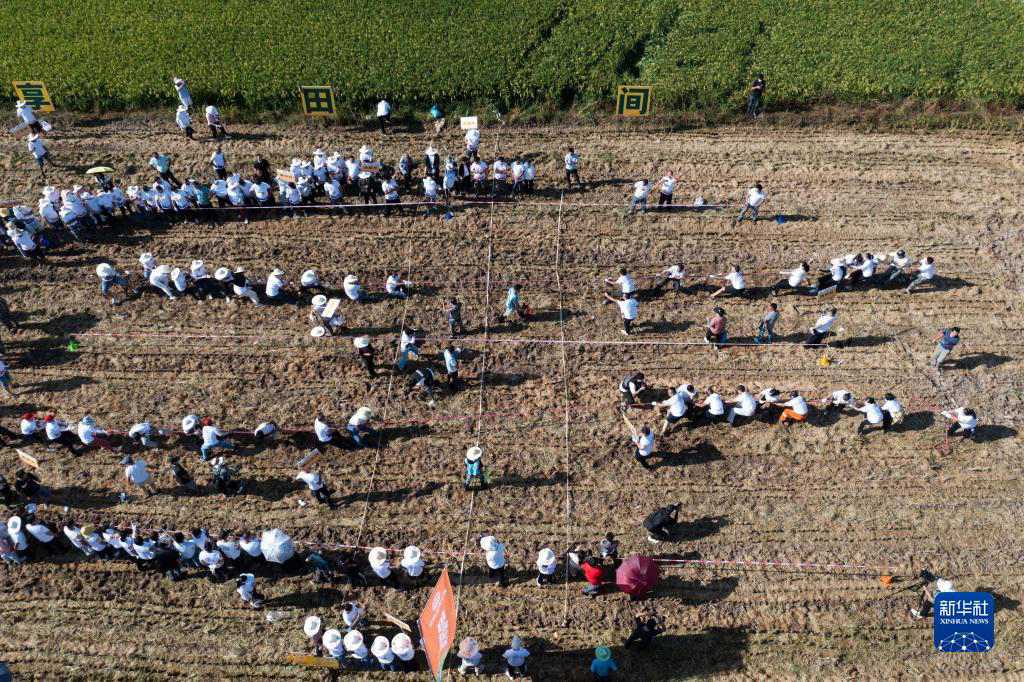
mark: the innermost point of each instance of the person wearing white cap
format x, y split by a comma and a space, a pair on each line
366, 354
353, 289
39, 152
311, 283
215, 123
246, 588
494, 556
205, 287
333, 643
401, 645
515, 658
184, 121
925, 273
317, 487
359, 426
275, 288
924, 606
381, 565
412, 563
109, 277
160, 279
397, 286
333, 325
470, 655
311, 627
381, 649
547, 564
180, 280
755, 197
184, 95
357, 653
42, 535
474, 469
148, 262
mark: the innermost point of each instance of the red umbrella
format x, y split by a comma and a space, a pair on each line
637, 575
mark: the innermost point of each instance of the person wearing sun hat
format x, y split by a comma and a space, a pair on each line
401, 645
381, 650
515, 658
412, 563
494, 556
469, 653
366, 354
333, 643
109, 277
357, 653
475, 468
312, 628
353, 289
603, 666
381, 565
547, 564
275, 288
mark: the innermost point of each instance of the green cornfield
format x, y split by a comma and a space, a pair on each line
115, 54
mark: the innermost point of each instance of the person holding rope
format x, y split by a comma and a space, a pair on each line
755, 198
629, 309
895, 272
736, 280
766, 328
925, 273
626, 283
641, 189
821, 329
675, 274
947, 339
743, 405
964, 422
643, 442
793, 279
631, 387
794, 410
675, 410
873, 416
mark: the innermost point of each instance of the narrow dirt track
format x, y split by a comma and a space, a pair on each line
815, 493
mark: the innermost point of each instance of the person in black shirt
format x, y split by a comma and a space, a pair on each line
261, 170
181, 475
27, 483
366, 354
660, 523
644, 632
8, 496
756, 95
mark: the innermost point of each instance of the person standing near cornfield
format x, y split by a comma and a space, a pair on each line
947, 340
184, 121
215, 123
39, 152
572, 168
756, 96
24, 111
384, 115
184, 95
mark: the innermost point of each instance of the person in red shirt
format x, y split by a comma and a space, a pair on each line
593, 571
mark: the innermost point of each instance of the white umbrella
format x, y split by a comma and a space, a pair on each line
276, 546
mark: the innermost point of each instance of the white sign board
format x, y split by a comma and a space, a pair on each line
469, 123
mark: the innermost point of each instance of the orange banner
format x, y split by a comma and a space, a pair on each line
437, 623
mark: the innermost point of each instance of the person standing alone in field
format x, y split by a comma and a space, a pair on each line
755, 197
947, 340
572, 169
384, 115
756, 96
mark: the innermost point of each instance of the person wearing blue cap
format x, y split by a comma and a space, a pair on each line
603, 666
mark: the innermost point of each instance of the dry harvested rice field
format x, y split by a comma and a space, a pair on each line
544, 409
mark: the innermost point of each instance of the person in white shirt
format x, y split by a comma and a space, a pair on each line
218, 163
470, 655
499, 173
472, 142
145, 434
643, 442
675, 274
412, 563
839, 401
755, 197
547, 564
450, 355
397, 286
275, 289
59, 433
494, 557
665, 189
183, 92
430, 194
39, 152
92, 436
873, 416
640, 191
925, 273
572, 168
478, 175
325, 433
515, 659
865, 269
381, 565
381, 650
213, 560
768, 401
623, 281
822, 326
384, 115
628, 308
737, 283
712, 408
965, 422
184, 121
252, 552
353, 289
246, 587
213, 438
160, 279
675, 410
529, 175
318, 490
352, 614
794, 410
794, 279
892, 407
215, 123
188, 553
895, 272
137, 474
743, 405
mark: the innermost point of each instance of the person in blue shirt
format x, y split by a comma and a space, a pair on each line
512, 305
948, 340
475, 468
603, 666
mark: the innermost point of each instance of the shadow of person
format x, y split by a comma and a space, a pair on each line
987, 433
916, 421
986, 360
1003, 602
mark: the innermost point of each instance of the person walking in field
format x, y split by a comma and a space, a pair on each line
755, 198
39, 152
383, 115
947, 340
184, 121
572, 168
628, 308
643, 442
756, 96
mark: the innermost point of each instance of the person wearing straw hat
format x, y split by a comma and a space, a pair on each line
603, 666
109, 278
353, 288
755, 198
381, 650
401, 645
160, 279
515, 658
924, 606
92, 436
494, 556
381, 566
412, 563
275, 290
474, 465
547, 564
356, 653
366, 354
318, 489
311, 284
311, 627
333, 643
184, 121
245, 585
470, 655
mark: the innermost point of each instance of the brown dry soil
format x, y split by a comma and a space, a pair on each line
814, 493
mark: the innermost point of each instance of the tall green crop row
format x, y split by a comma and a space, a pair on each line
697, 53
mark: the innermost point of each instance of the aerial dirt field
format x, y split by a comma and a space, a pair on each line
541, 400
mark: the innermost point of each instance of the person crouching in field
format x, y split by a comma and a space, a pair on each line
216, 124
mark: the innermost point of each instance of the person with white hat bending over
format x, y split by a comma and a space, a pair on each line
547, 564
412, 563
474, 464
359, 427
494, 556
470, 655
515, 658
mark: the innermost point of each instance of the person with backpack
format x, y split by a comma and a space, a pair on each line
660, 523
